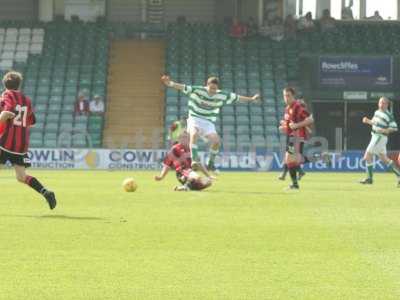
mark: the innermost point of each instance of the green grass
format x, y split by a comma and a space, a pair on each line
245, 238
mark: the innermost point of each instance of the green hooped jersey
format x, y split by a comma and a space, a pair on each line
205, 106
383, 119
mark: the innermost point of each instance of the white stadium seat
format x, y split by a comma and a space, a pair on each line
2, 31
25, 31
6, 64
24, 38
11, 38
38, 32
36, 39
12, 31
36, 48
23, 47
9, 47
7, 55
21, 56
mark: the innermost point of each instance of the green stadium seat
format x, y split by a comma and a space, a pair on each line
68, 108
243, 129
79, 141
52, 118
242, 120
228, 120
257, 129
40, 108
50, 143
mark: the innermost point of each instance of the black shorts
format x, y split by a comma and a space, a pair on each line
15, 159
294, 145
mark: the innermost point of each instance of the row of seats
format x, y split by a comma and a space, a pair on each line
196, 51
17, 43
246, 67
73, 60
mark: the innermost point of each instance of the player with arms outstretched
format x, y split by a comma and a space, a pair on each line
17, 117
178, 159
296, 122
204, 106
383, 124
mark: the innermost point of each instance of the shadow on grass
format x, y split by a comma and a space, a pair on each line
62, 217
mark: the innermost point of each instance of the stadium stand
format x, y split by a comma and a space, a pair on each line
195, 51
59, 60
247, 67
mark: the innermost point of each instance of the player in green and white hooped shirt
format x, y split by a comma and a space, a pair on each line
204, 105
383, 124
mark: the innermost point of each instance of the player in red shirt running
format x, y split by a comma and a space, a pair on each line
296, 123
17, 117
179, 159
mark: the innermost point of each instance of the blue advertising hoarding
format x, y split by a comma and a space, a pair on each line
349, 161
148, 159
356, 72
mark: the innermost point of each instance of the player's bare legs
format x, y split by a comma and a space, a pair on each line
194, 150
368, 157
215, 144
20, 172
293, 160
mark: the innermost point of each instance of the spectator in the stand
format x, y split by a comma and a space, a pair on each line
306, 23
376, 17
252, 27
277, 30
347, 12
81, 106
238, 30
327, 22
96, 106
265, 30
290, 27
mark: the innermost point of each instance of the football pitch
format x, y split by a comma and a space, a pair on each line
245, 238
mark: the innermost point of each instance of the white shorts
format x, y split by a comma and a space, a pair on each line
201, 126
377, 145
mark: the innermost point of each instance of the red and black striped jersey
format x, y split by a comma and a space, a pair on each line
178, 158
295, 113
15, 137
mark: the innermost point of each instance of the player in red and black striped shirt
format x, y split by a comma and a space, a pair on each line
16, 118
295, 124
179, 159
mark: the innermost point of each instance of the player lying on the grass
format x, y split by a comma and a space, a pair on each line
296, 121
315, 157
204, 106
178, 158
382, 124
17, 117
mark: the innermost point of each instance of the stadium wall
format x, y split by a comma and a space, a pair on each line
224, 8
59, 7
124, 11
194, 10
20, 10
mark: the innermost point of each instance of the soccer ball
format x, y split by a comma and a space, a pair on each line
129, 185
